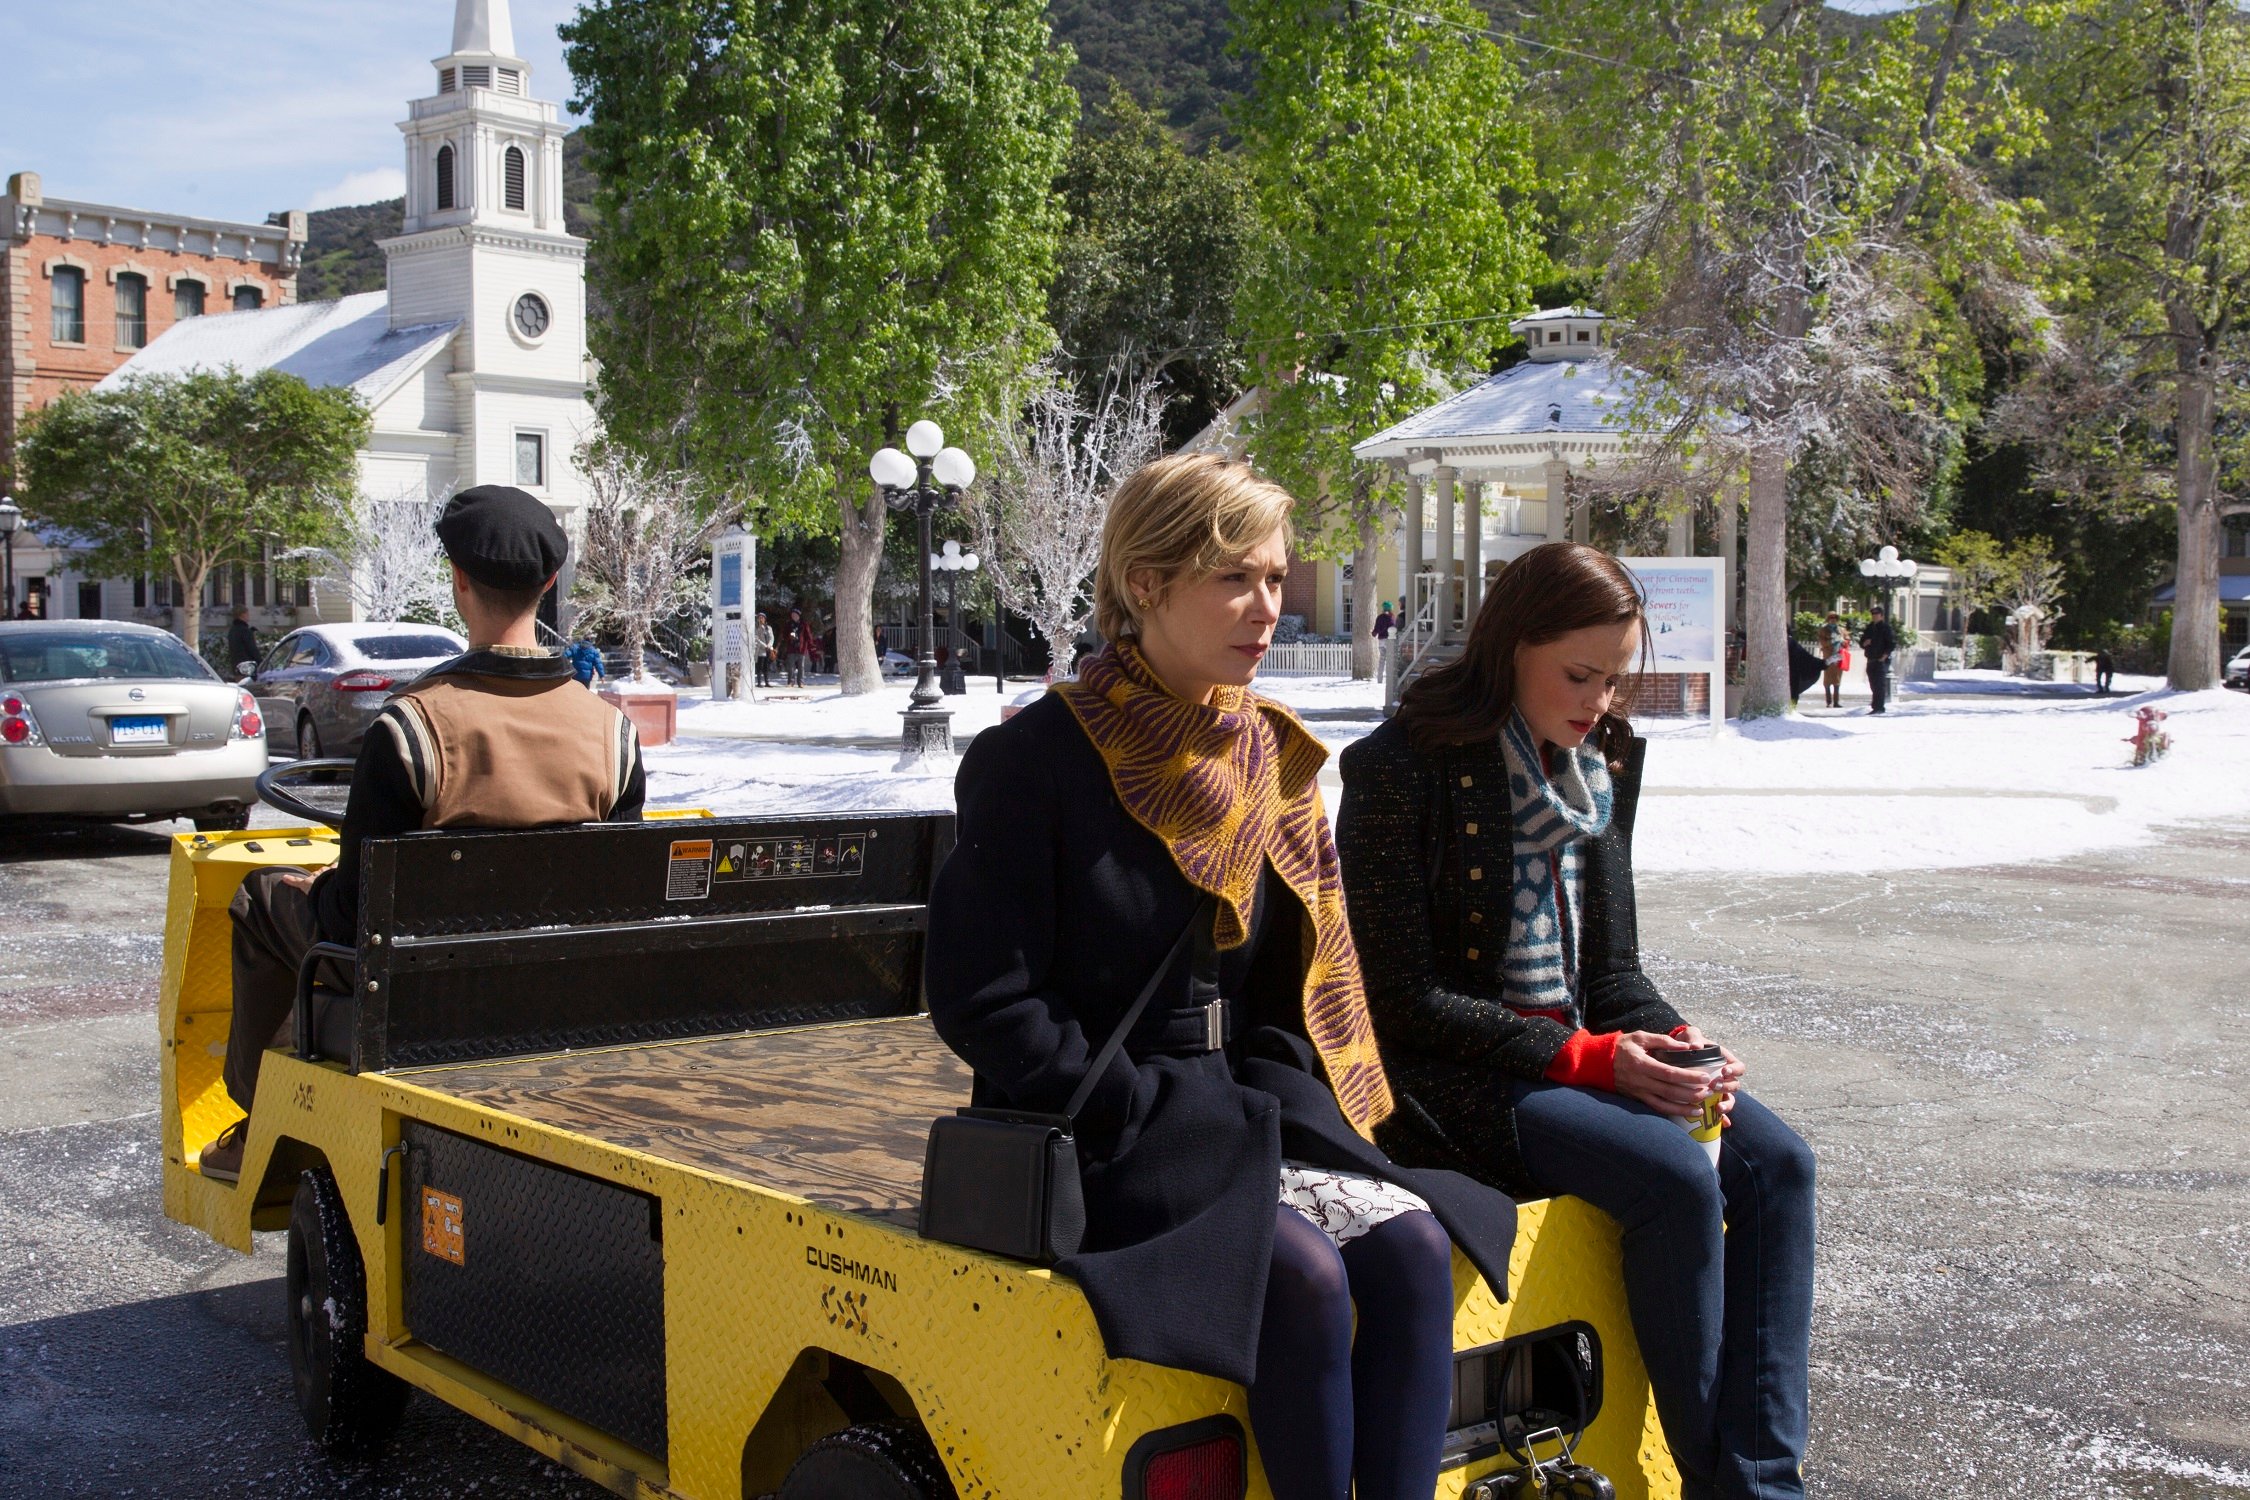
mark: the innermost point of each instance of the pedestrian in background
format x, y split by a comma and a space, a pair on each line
242, 642
1878, 642
794, 643
1835, 658
585, 661
2105, 671
763, 651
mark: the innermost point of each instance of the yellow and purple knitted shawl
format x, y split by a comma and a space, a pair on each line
1228, 786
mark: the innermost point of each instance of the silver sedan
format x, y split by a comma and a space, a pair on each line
321, 687
107, 720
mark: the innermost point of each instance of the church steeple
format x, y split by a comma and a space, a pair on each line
484, 51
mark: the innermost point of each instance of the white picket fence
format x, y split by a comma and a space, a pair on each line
1308, 659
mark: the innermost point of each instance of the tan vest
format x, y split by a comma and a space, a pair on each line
504, 752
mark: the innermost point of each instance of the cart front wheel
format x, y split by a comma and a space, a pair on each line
349, 1405
873, 1461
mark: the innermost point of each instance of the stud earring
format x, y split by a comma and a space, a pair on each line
1141, 605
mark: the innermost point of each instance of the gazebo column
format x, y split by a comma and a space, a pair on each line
1679, 531
1447, 520
1582, 523
1558, 498
1472, 553
1410, 547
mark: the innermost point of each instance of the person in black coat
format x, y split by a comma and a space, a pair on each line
1486, 839
1236, 1219
1878, 641
242, 643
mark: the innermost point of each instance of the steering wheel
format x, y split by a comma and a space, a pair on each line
315, 790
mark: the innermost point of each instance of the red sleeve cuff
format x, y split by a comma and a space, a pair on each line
1588, 1061
1679, 1031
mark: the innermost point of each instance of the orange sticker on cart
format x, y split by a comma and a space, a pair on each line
687, 874
441, 1225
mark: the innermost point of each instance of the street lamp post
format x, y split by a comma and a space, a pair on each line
953, 562
10, 519
907, 485
1893, 573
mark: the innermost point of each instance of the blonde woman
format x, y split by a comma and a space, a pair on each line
1237, 1212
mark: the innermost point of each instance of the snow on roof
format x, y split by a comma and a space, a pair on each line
1554, 314
349, 342
1588, 396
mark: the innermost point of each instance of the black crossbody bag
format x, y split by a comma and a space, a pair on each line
1006, 1180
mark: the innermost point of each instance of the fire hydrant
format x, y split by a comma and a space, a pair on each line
2149, 741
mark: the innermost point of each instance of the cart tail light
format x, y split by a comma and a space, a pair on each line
1202, 1460
18, 725
248, 722
362, 682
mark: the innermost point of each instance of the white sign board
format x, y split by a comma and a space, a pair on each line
1685, 629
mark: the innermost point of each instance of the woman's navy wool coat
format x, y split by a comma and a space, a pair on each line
1051, 913
1427, 844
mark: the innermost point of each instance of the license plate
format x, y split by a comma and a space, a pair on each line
139, 730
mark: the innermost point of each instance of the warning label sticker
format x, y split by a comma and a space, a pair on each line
441, 1225
792, 858
687, 875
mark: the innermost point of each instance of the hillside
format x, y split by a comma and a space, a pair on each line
1169, 54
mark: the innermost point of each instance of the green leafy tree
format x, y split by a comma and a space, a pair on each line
182, 476
816, 220
1979, 564
1393, 175
1150, 266
1791, 209
2143, 402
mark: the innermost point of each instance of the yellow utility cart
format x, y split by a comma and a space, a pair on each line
616, 1146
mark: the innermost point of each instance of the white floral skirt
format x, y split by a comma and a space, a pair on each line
1344, 1205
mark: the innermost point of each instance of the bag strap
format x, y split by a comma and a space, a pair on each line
1100, 1064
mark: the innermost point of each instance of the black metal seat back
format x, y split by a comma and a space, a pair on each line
492, 943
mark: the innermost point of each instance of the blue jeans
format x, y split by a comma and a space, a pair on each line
1718, 1272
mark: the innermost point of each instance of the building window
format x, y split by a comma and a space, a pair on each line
2237, 537
132, 311
89, 599
187, 300
248, 299
68, 290
445, 177
531, 459
511, 164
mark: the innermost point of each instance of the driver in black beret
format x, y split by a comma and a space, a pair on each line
501, 736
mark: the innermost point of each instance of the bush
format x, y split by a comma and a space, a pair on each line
1951, 658
2139, 649
1981, 652
1288, 630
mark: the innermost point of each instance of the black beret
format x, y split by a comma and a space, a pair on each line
502, 537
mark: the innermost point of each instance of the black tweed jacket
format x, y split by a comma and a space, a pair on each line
1426, 844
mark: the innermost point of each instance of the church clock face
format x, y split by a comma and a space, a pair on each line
531, 315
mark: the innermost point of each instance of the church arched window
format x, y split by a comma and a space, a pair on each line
512, 173
445, 176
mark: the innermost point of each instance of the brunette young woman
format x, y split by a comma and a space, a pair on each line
1237, 1213
1486, 836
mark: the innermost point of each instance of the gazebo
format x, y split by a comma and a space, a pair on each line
1498, 457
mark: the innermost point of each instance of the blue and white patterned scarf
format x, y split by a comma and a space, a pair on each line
1555, 814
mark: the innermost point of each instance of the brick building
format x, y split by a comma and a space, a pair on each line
86, 286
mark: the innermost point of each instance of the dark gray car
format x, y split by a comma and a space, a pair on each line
321, 687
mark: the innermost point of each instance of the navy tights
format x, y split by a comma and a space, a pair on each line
1329, 1409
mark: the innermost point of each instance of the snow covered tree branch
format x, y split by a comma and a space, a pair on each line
1039, 512
389, 559
646, 529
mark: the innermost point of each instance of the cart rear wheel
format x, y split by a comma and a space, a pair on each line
873, 1461
348, 1404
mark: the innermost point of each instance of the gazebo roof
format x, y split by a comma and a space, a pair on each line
1573, 407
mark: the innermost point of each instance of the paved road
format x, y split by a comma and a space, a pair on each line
2024, 1085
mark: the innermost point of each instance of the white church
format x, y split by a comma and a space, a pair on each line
473, 358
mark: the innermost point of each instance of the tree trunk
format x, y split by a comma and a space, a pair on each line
1765, 593
1364, 651
857, 670
2194, 662
187, 619
1062, 647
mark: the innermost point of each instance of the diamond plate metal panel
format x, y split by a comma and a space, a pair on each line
546, 1280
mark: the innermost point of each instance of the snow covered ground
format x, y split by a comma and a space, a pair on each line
1974, 769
